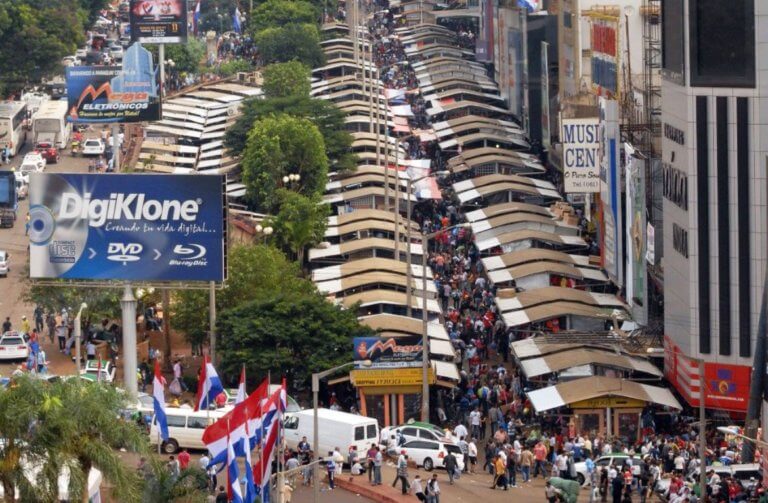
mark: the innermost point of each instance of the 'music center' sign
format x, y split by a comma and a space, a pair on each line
581, 163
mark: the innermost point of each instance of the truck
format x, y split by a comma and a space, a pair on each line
9, 203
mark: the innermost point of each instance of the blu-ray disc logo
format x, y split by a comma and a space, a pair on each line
190, 252
124, 252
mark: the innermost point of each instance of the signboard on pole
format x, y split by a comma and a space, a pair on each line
387, 352
110, 94
581, 163
159, 21
610, 192
636, 288
605, 56
127, 227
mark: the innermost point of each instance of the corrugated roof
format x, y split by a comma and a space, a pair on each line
555, 362
577, 390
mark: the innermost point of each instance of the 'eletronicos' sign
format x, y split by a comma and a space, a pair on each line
581, 163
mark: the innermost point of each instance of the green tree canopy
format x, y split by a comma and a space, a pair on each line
328, 118
301, 42
255, 272
286, 79
186, 57
36, 34
289, 335
276, 13
280, 145
300, 222
102, 302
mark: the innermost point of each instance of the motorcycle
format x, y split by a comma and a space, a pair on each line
75, 148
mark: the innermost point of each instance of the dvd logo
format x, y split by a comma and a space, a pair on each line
191, 252
124, 252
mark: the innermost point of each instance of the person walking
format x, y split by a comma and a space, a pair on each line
418, 489
526, 460
433, 490
377, 460
499, 473
451, 466
512, 468
402, 473
370, 455
540, 457
330, 466
472, 455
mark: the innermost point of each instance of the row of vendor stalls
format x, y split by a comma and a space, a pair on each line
548, 289
363, 261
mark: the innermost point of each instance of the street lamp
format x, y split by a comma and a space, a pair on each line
408, 271
78, 334
316, 376
424, 322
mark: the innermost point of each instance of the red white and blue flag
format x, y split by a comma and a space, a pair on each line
234, 491
158, 401
208, 386
196, 17
270, 439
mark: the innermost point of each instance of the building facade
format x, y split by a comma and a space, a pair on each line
714, 138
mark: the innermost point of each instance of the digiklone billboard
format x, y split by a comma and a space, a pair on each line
105, 94
159, 21
127, 227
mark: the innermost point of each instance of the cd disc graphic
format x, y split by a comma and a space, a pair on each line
56, 243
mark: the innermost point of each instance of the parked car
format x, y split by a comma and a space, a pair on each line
91, 372
337, 429
431, 454
418, 431
116, 52
22, 188
93, 146
81, 54
49, 152
185, 428
69, 61
5, 263
617, 458
34, 162
13, 346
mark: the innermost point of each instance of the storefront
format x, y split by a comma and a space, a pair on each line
610, 416
393, 396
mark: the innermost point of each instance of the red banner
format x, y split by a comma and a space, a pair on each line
604, 39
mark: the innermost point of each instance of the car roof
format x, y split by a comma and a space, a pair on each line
338, 416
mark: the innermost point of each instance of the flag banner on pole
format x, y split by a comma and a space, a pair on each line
234, 491
208, 386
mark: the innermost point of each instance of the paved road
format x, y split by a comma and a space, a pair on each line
15, 242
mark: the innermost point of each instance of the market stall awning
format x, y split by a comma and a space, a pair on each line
566, 393
404, 325
555, 362
359, 246
515, 237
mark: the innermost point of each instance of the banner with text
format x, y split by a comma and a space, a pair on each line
159, 21
581, 164
129, 227
388, 352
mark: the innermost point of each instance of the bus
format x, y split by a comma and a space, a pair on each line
13, 116
50, 124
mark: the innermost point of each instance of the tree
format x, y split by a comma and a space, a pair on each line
286, 79
300, 222
276, 13
189, 487
328, 118
277, 146
186, 57
299, 42
88, 436
102, 302
255, 272
229, 68
288, 335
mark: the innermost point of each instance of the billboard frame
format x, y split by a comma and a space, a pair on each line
160, 28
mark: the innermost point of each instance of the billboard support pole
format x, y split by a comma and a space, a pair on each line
161, 57
115, 147
128, 304
212, 318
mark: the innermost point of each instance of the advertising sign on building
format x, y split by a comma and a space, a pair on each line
386, 352
610, 192
604, 56
108, 94
635, 233
650, 254
159, 21
390, 377
581, 168
127, 227
726, 386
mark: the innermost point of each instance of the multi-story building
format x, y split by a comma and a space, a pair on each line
714, 138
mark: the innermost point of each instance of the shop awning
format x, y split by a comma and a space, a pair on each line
445, 370
358, 245
367, 265
515, 237
504, 208
566, 393
404, 325
364, 215
372, 278
373, 297
534, 367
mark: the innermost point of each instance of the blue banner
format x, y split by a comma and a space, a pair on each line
127, 227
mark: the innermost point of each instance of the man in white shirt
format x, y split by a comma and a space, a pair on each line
561, 464
460, 431
475, 418
472, 454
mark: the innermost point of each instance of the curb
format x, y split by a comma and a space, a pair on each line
364, 491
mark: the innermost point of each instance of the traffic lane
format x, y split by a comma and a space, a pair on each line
14, 241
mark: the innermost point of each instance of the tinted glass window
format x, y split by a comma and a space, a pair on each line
12, 340
178, 421
372, 433
672, 51
419, 444
197, 422
409, 432
360, 433
453, 448
722, 37
291, 423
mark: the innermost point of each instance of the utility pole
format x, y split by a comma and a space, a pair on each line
757, 383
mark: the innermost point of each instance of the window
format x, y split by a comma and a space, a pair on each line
453, 449
409, 432
291, 423
372, 431
429, 435
420, 444
722, 43
359, 433
673, 48
176, 421
200, 423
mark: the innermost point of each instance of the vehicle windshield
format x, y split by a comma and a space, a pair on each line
454, 449
11, 341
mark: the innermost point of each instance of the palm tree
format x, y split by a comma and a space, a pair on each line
162, 487
89, 434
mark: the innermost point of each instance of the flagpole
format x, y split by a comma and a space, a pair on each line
280, 467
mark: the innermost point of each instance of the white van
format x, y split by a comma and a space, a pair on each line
337, 429
185, 428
